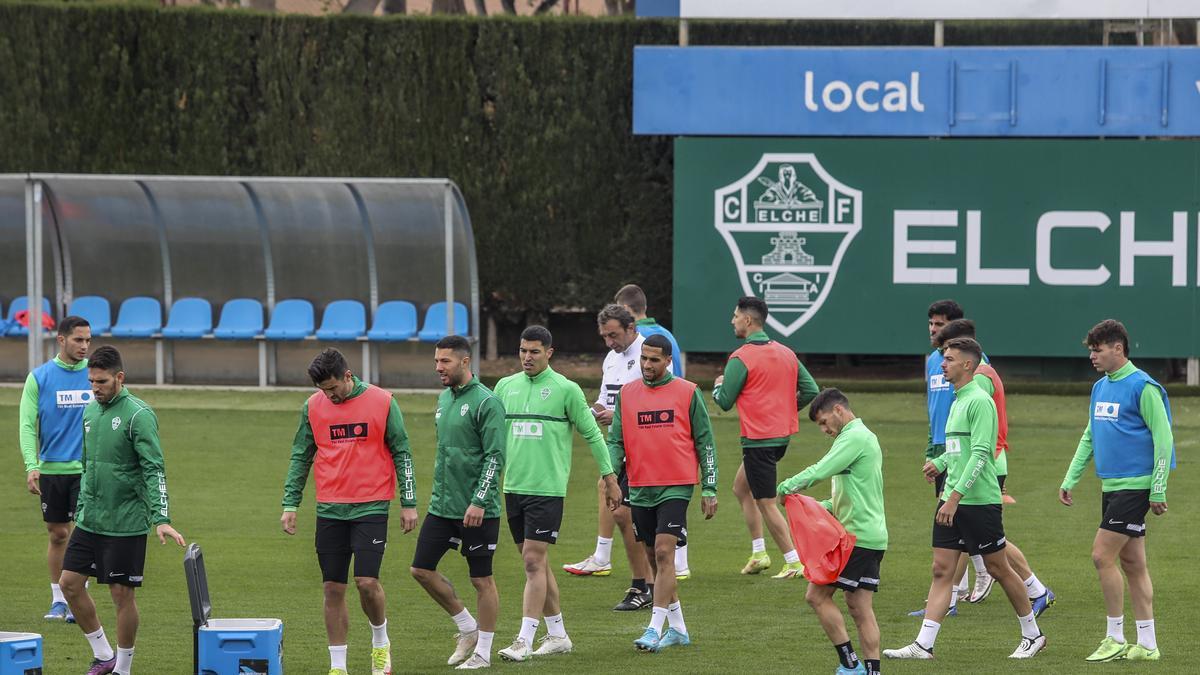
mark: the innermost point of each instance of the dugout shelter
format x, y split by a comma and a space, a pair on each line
227, 280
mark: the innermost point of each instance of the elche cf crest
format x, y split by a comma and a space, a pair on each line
788, 223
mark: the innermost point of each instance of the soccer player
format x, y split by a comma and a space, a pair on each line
662, 435
969, 515
989, 380
939, 396
1129, 435
51, 422
542, 407
122, 495
855, 465
633, 298
464, 511
353, 433
619, 330
769, 385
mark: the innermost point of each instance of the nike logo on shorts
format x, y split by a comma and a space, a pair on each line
672, 525
376, 541
116, 574
1115, 522
475, 547
541, 531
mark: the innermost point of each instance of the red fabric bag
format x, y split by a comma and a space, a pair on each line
823, 544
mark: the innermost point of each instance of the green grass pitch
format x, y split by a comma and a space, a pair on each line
227, 455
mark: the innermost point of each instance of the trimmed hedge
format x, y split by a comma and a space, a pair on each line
531, 117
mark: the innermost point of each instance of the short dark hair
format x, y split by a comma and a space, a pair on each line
659, 341
947, 308
617, 313
826, 400
329, 364
967, 346
954, 329
632, 296
106, 358
458, 343
756, 307
1108, 332
70, 323
538, 334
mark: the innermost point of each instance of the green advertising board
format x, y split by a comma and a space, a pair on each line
849, 240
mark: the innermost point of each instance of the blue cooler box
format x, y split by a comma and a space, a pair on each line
240, 646
20, 654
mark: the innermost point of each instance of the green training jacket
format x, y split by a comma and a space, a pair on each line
123, 491
470, 451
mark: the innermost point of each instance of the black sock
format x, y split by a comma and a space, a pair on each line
639, 584
846, 655
872, 666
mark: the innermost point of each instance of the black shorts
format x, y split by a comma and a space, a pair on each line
1124, 512
861, 571
669, 517
112, 560
338, 540
977, 530
533, 517
1000, 480
477, 544
759, 464
623, 482
60, 493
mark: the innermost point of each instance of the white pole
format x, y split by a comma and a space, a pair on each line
1193, 371
939, 33
447, 210
30, 288
35, 300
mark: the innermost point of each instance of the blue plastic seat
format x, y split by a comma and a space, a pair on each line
190, 319
343, 320
395, 321
241, 319
95, 309
21, 304
291, 320
139, 317
435, 322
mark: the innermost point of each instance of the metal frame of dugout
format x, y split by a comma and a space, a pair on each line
387, 231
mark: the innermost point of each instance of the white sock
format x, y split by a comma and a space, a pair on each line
675, 617
379, 636
758, 545
658, 617
603, 554
124, 661
954, 595
1034, 587
555, 627
681, 558
337, 657
465, 622
56, 594
528, 629
964, 583
483, 648
980, 566
1029, 627
928, 634
100, 647
1116, 628
1145, 632
791, 557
